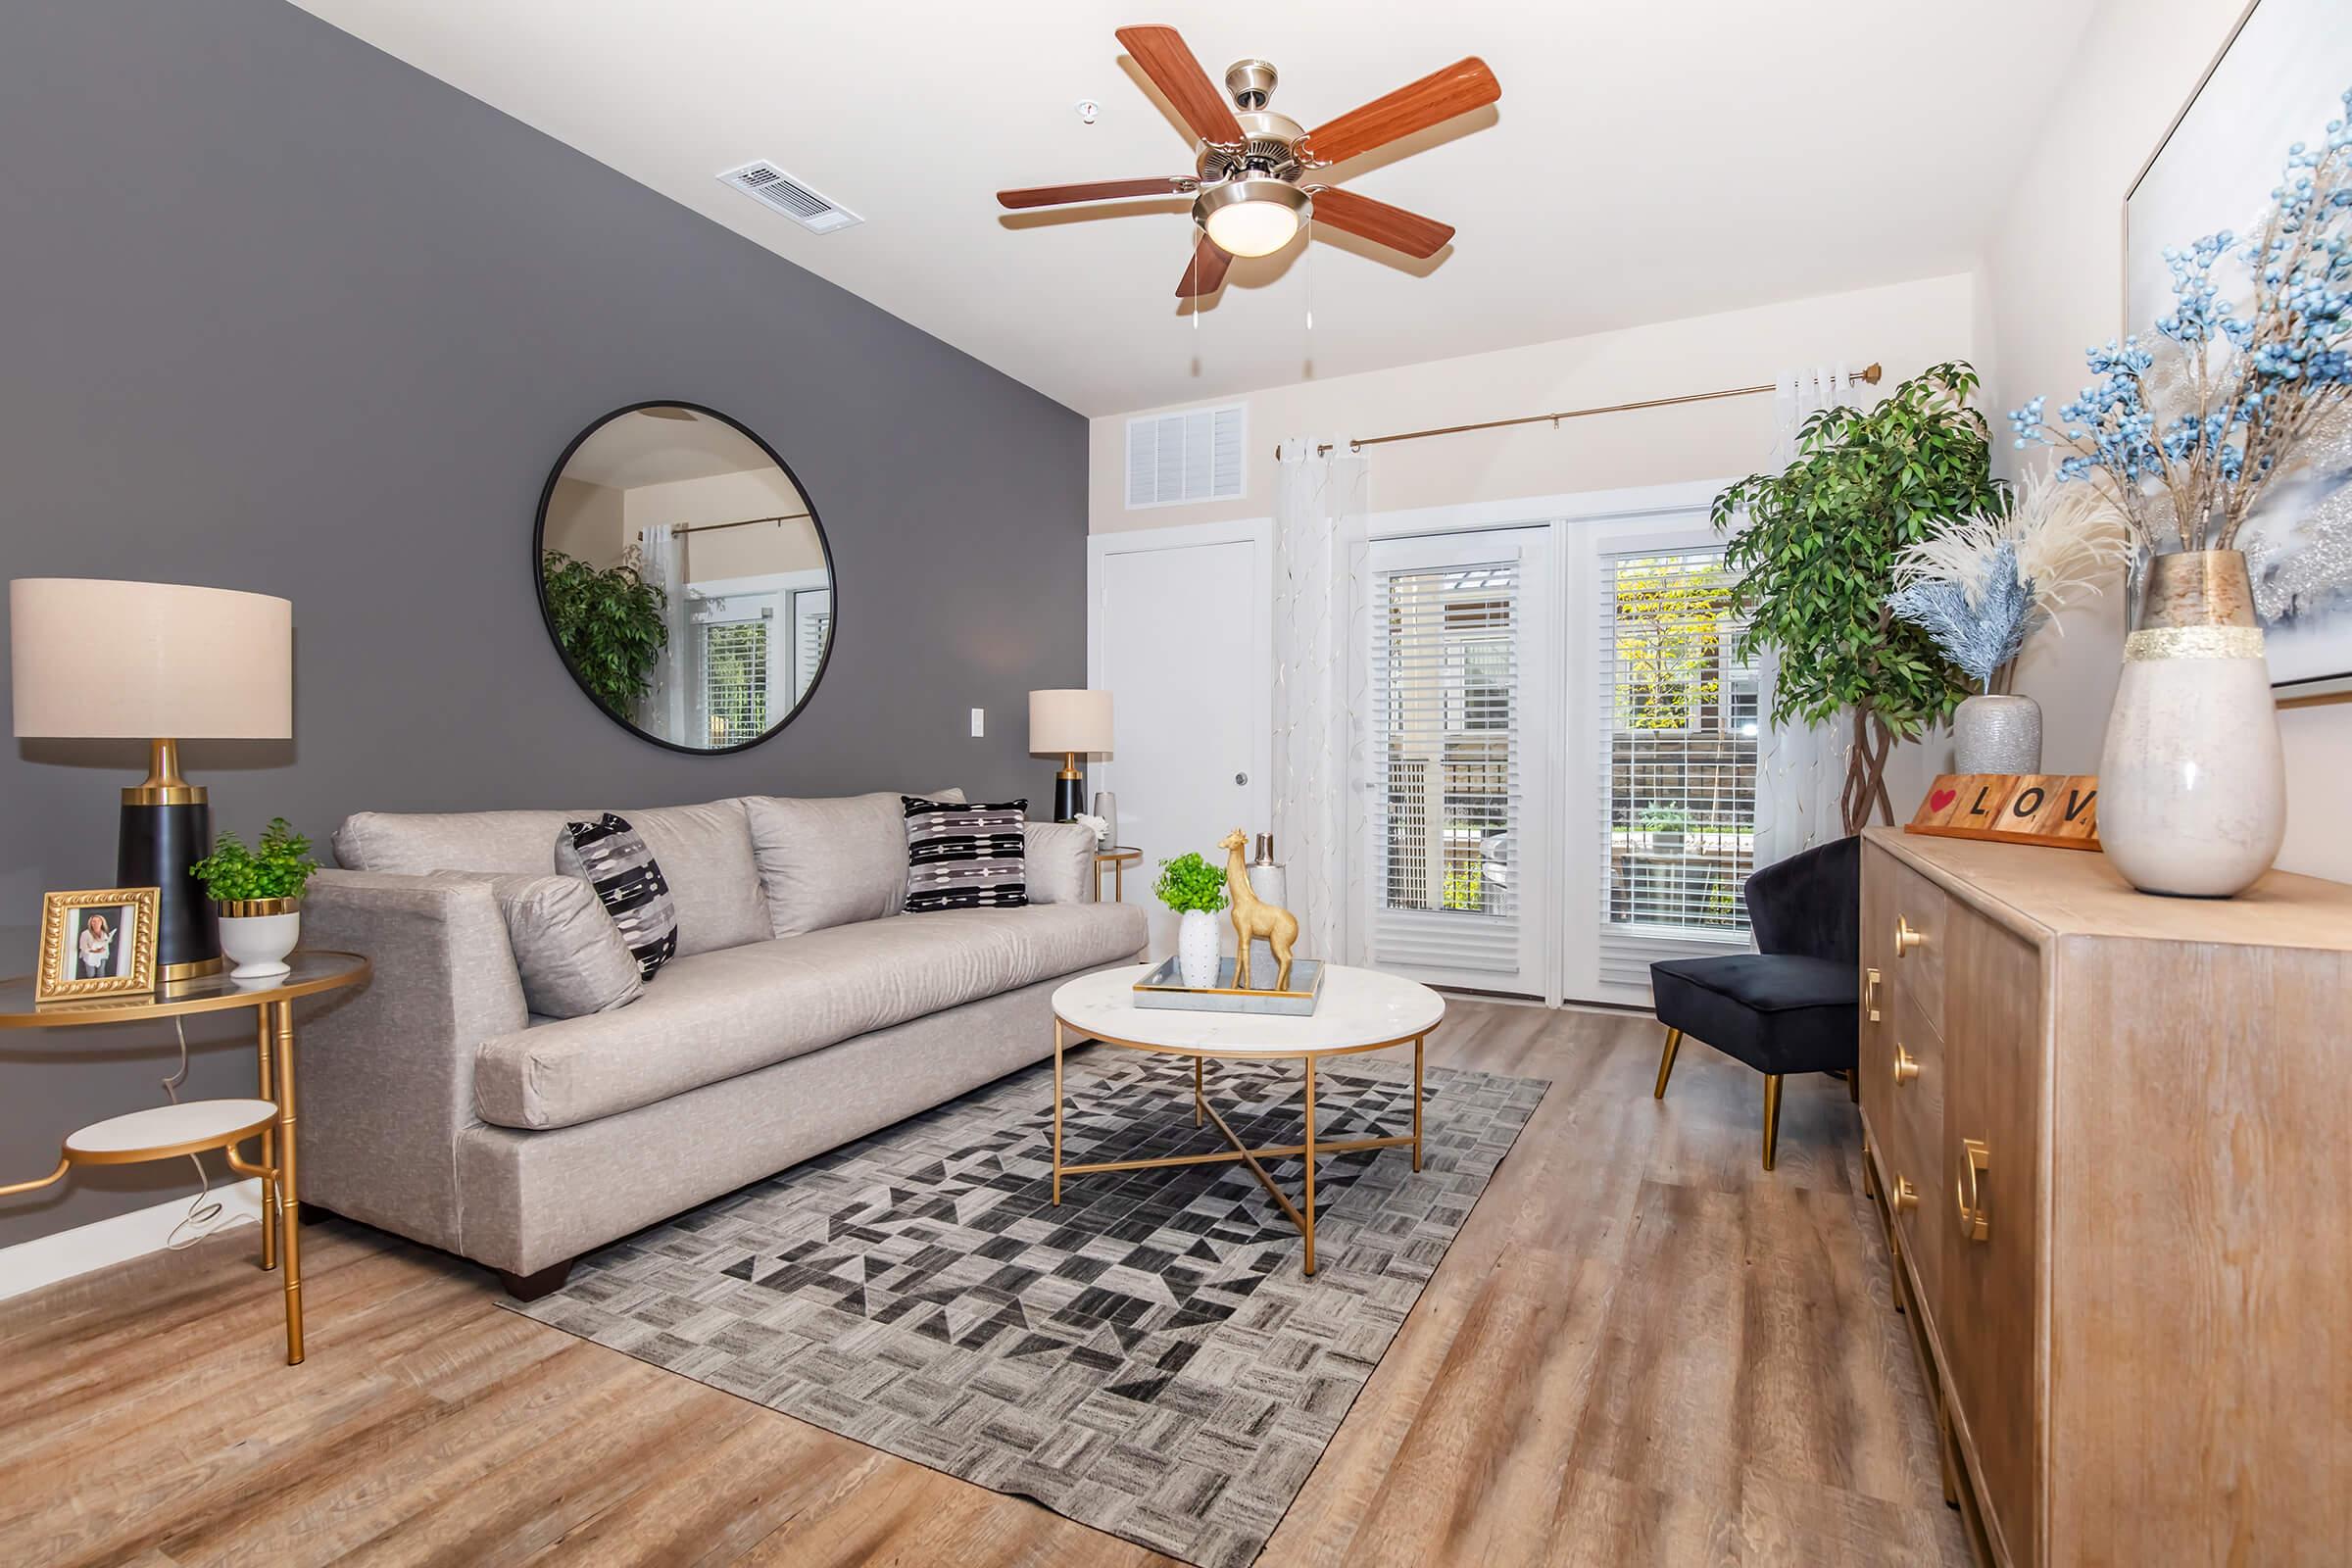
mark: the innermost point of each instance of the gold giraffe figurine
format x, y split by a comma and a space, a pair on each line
1252, 917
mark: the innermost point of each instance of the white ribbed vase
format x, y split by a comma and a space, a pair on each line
2193, 783
1196, 949
1998, 735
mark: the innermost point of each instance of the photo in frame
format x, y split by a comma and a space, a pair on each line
96, 943
2279, 80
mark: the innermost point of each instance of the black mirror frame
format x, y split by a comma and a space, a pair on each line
825, 545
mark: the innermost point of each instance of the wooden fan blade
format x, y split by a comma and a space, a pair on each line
1162, 53
1381, 223
1461, 87
1204, 274
1098, 191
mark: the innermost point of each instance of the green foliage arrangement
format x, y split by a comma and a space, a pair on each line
1670, 625
1816, 560
1188, 883
279, 869
609, 622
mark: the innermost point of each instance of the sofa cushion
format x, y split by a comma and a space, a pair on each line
834, 861
570, 956
420, 843
612, 857
1060, 859
706, 854
718, 1015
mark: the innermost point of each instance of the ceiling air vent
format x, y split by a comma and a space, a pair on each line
1190, 455
770, 186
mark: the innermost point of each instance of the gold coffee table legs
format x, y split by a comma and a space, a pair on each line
1311, 1150
278, 1018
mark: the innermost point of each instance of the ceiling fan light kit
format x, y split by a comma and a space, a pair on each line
1248, 161
1253, 216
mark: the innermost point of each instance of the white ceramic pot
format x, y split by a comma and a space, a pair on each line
2193, 783
1998, 735
257, 934
1196, 949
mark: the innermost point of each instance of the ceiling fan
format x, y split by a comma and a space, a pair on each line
1251, 164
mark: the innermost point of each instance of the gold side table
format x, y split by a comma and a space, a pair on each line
167, 1132
1118, 858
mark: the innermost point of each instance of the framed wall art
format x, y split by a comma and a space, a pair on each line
2279, 80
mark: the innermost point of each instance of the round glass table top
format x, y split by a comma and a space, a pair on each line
307, 974
1359, 1010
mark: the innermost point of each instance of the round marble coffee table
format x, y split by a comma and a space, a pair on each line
1360, 1011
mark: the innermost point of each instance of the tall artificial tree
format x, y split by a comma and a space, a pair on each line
1815, 546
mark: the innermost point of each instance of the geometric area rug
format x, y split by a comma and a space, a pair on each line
1146, 1358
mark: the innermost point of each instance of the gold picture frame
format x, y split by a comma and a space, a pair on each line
121, 944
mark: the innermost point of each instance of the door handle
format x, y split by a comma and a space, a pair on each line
1241, 778
1870, 993
1976, 1218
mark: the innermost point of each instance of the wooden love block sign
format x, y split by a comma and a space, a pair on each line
2058, 809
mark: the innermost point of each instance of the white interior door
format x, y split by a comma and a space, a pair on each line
1458, 853
1179, 634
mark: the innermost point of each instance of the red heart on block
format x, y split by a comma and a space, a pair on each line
1937, 799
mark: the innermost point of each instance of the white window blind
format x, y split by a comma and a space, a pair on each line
1445, 766
1679, 715
812, 624
735, 679
1193, 455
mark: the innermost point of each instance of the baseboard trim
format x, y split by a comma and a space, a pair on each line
118, 1239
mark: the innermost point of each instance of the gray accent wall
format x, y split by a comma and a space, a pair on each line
284, 314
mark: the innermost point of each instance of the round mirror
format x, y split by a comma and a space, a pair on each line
684, 577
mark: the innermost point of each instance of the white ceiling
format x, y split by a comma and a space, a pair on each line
640, 449
1647, 159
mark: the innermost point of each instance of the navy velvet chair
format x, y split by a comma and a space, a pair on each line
1793, 1006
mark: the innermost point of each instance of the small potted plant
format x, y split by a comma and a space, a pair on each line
1195, 890
259, 892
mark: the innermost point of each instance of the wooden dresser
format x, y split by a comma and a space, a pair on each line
2111, 1137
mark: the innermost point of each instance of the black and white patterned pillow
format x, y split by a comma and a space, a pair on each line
609, 856
965, 857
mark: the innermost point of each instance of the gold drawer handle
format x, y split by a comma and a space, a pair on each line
1975, 1219
1907, 936
1907, 1065
1870, 993
1906, 1195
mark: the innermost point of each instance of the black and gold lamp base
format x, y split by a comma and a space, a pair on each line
1069, 791
166, 827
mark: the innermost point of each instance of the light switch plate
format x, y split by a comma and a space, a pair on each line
979, 722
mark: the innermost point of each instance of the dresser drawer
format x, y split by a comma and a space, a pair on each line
1915, 1069
1988, 1199
1916, 942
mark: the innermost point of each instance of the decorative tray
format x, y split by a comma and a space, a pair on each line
1162, 988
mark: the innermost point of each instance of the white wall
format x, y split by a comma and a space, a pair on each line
2055, 283
1905, 326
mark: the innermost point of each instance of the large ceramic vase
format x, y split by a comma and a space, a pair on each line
2192, 785
1998, 735
1196, 949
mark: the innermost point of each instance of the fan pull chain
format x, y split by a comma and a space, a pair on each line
1311, 284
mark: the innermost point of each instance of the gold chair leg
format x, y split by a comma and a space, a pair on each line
1772, 1115
1673, 1040
1196, 1098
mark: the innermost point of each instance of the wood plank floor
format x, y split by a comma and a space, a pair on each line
1643, 1349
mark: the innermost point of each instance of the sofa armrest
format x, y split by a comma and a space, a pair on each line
387, 1079
1060, 859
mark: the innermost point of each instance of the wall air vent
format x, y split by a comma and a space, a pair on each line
1190, 455
770, 186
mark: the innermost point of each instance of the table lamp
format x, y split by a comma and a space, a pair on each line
155, 662
1071, 723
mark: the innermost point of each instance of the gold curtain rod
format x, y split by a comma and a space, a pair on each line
742, 523
1870, 375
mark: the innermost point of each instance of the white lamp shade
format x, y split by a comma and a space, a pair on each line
1061, 721
146, 661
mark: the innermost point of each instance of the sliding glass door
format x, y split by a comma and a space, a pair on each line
1456, 768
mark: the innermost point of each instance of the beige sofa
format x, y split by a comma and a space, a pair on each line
803, 1009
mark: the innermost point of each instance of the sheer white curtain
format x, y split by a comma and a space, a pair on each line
665, 710
1319, 549
1800, 769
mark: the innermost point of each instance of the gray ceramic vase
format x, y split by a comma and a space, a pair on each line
1998, 735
